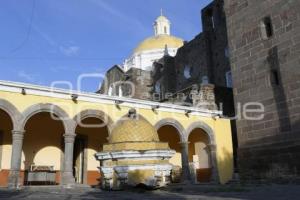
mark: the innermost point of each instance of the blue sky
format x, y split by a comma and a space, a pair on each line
42, 41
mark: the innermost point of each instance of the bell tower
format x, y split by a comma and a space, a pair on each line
162, 25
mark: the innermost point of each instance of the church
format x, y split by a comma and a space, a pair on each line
119, 137
137, 68
148, 125
153, 48
164, 68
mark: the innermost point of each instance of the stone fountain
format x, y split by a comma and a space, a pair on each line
134, 156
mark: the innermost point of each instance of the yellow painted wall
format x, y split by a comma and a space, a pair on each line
42, 143
224, 149
170, 135
202, 155
96, 137
196, 136
5, 128
221, 127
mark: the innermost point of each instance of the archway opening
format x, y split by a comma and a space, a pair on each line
6, 126
199, 155
171, 135
42, 155
91, 134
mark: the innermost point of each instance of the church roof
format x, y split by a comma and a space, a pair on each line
159, 42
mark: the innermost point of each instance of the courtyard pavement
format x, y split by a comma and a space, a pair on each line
215, 192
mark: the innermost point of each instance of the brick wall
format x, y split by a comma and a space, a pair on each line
264, 43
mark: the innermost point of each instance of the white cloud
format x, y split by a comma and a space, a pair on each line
44, 35
123, 16
26, 76
70, 50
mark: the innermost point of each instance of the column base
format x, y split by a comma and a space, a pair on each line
186, 182
67, 180
14, 179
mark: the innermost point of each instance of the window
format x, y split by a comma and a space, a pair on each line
120, 91
157, 87
165, 29
274, 77
228, 79
226, 52
187, 72
110, 91
210, 18
212, 21
266, 28
204, 80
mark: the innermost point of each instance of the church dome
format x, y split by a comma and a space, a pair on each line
159, 42
133, 130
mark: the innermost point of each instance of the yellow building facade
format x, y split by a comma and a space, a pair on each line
63, 129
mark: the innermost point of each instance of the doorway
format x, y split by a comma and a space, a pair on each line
79, 159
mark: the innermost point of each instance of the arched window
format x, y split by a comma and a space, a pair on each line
120, 91
157, 88
266, 28
229, 79
204, 80
226, 52
187, 72
165, 29
110, 91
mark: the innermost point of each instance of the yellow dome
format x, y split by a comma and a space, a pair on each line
133, 130
159, 42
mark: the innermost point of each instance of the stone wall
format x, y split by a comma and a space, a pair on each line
162, 83
134, 83
141, 82
203, 60
264, 43
191, 63
215, 32
113, 75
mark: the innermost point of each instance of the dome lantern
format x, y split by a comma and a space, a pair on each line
162, 25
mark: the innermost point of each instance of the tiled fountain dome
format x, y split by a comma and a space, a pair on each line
133, 130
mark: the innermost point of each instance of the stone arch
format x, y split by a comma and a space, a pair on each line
206, 128
51, 108
212, 146
92, 128
95, 114
174, 123
11, 110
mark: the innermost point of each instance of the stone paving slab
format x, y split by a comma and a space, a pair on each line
289, 192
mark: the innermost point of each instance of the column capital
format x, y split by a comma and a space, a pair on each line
69, 138
212, 147
184, 143
18, 131
17, 134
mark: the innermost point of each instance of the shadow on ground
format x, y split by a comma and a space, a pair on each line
180, 192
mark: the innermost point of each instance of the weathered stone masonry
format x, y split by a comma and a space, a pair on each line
264, 43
